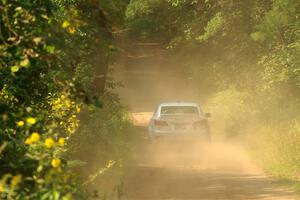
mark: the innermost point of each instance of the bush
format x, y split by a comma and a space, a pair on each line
103, 142
49, 68
232, 114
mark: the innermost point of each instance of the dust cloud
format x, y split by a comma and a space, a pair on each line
197, 155
191, 152
190, 169
180, 169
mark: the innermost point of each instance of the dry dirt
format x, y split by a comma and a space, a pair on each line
191, 170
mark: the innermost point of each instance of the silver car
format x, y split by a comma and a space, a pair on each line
179, 119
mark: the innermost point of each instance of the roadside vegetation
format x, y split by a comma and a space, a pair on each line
244, 59
54, 59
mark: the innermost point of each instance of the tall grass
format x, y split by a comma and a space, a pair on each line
274, 144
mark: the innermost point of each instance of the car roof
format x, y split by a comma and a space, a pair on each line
179, 103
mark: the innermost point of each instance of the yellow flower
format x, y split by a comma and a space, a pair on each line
65, 24
16, 180
20, 123
61, 142
55, 162
71, 29
1, 188
68, 103
28, 141
31, 120
35, 137
49, 142
71, 129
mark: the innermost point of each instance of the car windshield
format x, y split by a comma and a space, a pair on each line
179, 110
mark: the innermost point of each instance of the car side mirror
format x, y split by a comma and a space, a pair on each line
207, 115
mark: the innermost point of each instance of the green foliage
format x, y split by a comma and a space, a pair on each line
213, 26
280, 22
52, 53
31, 106
232, 113
159, 18
137, 8
105, 136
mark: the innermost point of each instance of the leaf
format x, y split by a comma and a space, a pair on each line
56, 195
18, 8
213, 26
12, 39
46, 196
37, 40
25, 63
3, 146
50, 48
45, 17
14, 68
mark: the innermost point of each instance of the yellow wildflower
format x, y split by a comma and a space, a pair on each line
16, 180
61, 142
71, 29
1, 188
71, 129
35, 137
20, 123
31, 120
55, 162
49, 142
65, 24
28, 141
68, 103
57, 101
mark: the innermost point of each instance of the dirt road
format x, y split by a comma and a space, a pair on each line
194, 171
